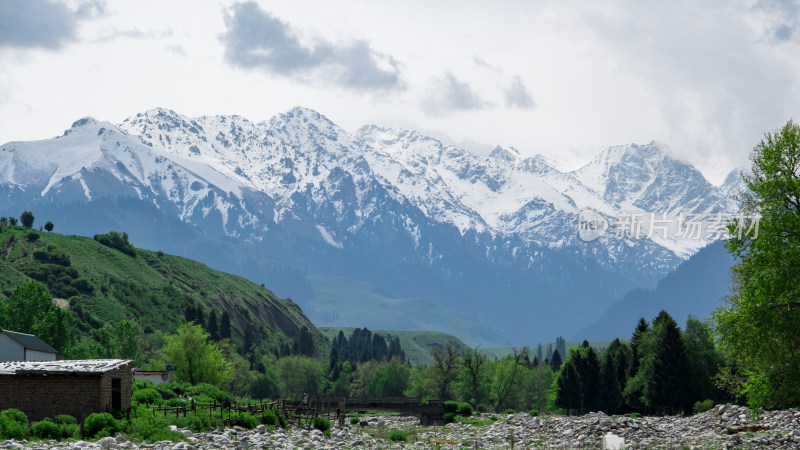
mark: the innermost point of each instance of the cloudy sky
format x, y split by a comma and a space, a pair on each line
559, 78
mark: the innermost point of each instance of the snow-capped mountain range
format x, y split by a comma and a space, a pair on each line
307, 191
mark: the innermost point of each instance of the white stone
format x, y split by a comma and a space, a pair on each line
613, 442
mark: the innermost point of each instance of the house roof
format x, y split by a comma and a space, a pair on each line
63, 367
29, 341
148, 372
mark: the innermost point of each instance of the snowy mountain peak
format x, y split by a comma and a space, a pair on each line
508, 155
83, 124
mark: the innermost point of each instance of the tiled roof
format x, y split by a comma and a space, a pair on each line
67, 366
29, 341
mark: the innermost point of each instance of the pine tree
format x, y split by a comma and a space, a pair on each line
610, 392
213, 326
641, 329
569, 392
589, 371
667, 387
225, 326
555, 361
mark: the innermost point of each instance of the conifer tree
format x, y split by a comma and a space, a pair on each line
667, 386
213, 326
225, 326
589, 371
555, 361
641, 328
569, 392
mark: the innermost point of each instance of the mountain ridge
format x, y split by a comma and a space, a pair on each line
391, 207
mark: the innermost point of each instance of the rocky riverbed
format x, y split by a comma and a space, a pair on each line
725, 426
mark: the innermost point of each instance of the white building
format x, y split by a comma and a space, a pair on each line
156, 376
24, 347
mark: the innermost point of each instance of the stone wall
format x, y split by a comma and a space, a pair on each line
41, 396
45, 395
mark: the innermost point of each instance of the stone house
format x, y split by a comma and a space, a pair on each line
76, 387
24, 347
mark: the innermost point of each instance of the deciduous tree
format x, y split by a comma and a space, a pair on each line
759, 325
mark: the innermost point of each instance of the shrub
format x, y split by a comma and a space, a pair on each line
282, 421
153, 429
144, 384
66, 419
146, 396
196, 423
269, 418
451, 406
703, 406
210, 392
46, 429
509, 411
100, 424
175, 401
355, 420
32, 236
70, 430
15, 415
464, 409
13, 424
533, 412
247, 420
398, 435
449, 417
635, 415
322, 424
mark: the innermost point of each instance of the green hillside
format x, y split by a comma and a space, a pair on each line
417, 345
339, 302
102, 284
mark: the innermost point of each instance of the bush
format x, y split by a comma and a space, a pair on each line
152, 429
32, 236
146, 396
13, 424
398, 435
175, 401
247, 420
355, 420
100, 425
464, 409
196, 423
449, 417
322, 424
282, 421
70, 430
451, 406
15, 415
269, 418
66, 419
703, 406
209, 392
46, 429
533, 412
635, 415
509, 411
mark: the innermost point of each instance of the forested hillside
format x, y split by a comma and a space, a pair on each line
102, 284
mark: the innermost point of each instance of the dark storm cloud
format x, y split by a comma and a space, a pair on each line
255, 39
44, 24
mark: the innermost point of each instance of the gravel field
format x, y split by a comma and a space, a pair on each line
725, 426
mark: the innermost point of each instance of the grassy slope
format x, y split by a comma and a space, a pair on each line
417, 345
344, 299
153, 289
